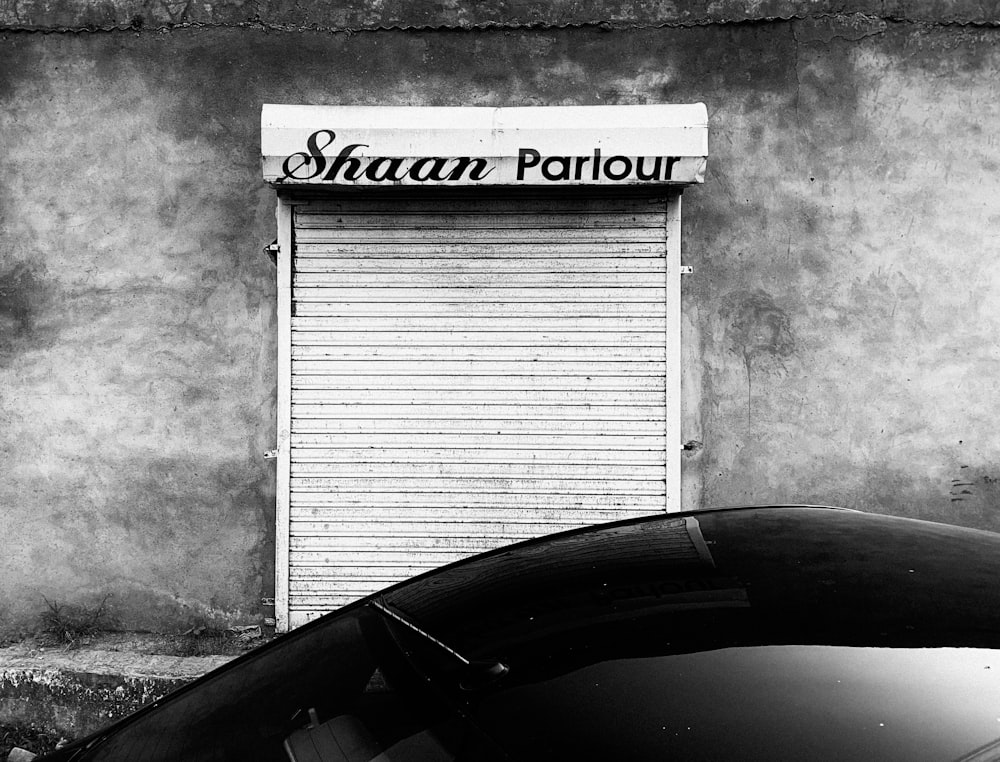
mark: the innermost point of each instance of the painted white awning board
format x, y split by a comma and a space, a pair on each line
428, 145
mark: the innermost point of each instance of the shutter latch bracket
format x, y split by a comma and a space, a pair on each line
272, 250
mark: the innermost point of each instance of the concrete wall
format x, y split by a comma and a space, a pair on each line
841, 334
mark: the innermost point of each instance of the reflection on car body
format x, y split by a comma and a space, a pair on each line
760, 633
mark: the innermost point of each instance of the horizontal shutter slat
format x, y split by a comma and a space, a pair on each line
375, 506
313, 387
402, 456
379, 338
454, 251
475, 313
443, 410
476, 470
480, 367
477, 353
599, 263
462, 202
445, 283
456, 219
574, 427
481, 295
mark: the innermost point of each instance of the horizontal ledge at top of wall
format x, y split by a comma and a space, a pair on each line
424, 15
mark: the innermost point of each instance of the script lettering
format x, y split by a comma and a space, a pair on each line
297, 162
321, 161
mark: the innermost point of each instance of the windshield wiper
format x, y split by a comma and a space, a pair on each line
476, 674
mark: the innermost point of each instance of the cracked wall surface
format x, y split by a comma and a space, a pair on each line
840, 341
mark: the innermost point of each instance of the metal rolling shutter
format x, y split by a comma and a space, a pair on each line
468, 371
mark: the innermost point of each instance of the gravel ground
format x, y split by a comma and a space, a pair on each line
129, 655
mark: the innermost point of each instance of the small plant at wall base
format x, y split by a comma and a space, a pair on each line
27, 736
73, 625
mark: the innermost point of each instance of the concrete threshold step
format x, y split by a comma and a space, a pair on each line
68, 694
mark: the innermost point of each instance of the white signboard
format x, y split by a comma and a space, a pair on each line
537, 146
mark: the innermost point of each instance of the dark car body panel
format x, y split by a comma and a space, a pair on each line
705, 635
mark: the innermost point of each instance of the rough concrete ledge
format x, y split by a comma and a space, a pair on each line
71, 693
55, 16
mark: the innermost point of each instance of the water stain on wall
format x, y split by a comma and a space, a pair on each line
759, 332
24, 295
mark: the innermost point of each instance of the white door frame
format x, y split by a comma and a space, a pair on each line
283, 213
285, 255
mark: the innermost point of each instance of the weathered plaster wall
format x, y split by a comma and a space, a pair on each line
840, 330
847, 304
136, 359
